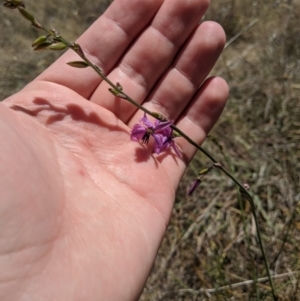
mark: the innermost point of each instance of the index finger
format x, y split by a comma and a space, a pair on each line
104, 43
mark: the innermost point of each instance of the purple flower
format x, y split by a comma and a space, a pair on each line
166, 141
161, 131
193, 187
143, 132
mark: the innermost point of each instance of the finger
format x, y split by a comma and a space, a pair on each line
196, 121
180, 83
151, 54
104, 43
195, 62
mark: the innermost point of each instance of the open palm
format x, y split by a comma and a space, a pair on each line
83, 208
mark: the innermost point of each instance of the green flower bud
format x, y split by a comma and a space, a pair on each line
58, 46
40, 40
203, 171
26, 14
42, 46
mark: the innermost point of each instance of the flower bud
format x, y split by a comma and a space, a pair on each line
26, 14
193, 187
58, 46
40, 40
204, 171
42, 46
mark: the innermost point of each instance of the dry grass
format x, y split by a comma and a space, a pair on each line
211, 241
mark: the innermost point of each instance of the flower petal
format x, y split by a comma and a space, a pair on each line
165, 125
147, 122
158, 141
137, 132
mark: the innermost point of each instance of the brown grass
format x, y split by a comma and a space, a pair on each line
211, 249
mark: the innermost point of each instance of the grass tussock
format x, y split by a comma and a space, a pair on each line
210, 251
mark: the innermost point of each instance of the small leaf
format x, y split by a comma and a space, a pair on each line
78, 64
119, 86
113, 91
116, 93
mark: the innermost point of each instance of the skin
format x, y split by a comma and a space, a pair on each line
83, 209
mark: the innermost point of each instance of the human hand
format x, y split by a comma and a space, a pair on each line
83, 208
